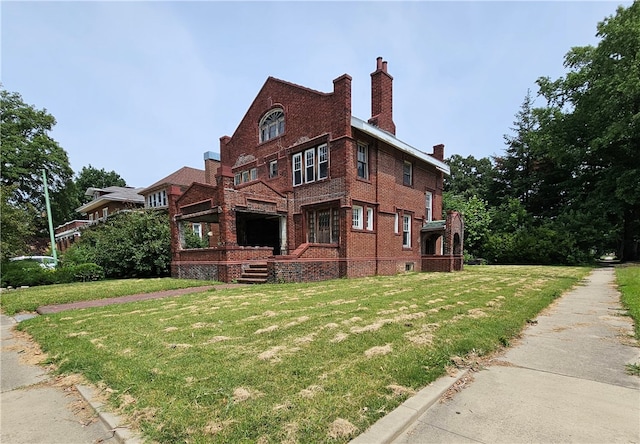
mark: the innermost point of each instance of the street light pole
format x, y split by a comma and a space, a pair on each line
51, 233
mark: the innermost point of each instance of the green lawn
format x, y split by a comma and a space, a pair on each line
28, 299
628, 278
292, 362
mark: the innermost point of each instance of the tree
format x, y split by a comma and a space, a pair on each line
595, 112
89, 177
15, 225
127, 244
469, 176
26, 149
477, 220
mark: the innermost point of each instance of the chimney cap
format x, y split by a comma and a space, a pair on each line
211, 155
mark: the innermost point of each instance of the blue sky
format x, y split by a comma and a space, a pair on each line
144, 88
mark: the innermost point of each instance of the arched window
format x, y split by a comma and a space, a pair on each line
272, 125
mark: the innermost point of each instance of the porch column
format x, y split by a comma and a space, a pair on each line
283, 235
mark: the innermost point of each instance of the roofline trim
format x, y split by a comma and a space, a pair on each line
399, 144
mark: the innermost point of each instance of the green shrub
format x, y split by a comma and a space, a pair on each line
29, 273
25, 273
86, 272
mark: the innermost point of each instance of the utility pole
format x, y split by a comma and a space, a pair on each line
51, 233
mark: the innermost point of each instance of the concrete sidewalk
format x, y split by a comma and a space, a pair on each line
33, 408
564, 382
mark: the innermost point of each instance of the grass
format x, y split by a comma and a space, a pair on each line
28, 299
291, 363
628, 278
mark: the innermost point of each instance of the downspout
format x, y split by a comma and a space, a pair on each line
377, 218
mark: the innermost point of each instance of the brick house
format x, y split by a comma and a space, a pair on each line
155, 195
306, 191
110, 200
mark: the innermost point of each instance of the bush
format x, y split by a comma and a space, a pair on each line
85, 272
30, 274
25, 273
127, 244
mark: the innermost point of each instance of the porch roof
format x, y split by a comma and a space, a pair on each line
436, 225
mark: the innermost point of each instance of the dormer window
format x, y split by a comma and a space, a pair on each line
272, 125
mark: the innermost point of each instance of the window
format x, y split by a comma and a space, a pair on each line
272, 125
273, 169
323, 226
105, 213
323, 161
245, 176
316, 165
370, 219
407, 173
157, 199
429, 206
310, 165
197, 229
406, 231
297, 169
396, 224
356, 217
363, 161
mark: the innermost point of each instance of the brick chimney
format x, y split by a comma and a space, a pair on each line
382, 98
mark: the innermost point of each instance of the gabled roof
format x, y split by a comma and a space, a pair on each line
399, 144
111, 194
184, 177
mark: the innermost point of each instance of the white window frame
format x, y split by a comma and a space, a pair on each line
237, 179
396, 223
356, 217
310, 165
197, 229
253, 174
406, 231
363, 150
428, 206
296, 162
323, 161
105, 213
272, 125
369, 218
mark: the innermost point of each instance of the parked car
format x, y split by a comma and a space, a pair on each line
44, 261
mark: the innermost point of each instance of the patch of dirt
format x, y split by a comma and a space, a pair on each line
476, 313
215, 427
271, 354
169, 329
216, 339
266, 330
29, 352
339, 337
242, 394
310, 391
371, 327
379, 350
341, 428
399, 390
460, 385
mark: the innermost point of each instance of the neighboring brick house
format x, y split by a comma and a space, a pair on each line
67, 233
155, 196
110, 200
310, 192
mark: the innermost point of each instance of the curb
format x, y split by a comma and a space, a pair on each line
114, 423
390, 426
